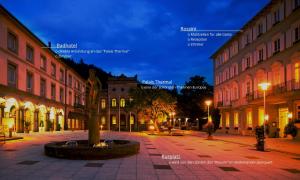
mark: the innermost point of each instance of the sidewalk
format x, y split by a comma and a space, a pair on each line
283, 145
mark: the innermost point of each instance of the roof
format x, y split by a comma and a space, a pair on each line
249, 23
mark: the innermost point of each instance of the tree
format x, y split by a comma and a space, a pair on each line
150, 103
191, 99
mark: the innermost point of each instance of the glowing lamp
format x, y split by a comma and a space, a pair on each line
264, 86
266, 117
290, 115
208, 102
151, 127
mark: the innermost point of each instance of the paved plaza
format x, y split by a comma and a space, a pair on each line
160, 157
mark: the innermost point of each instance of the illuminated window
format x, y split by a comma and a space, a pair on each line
113, 102
249, 118
227, 119
236, 119
261, 114
122, 102
103, 120
131, 120
114, 120
297, 72
103, 103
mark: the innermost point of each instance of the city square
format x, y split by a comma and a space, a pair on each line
191, 156
143, 89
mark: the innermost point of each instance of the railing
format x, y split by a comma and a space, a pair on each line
288, 86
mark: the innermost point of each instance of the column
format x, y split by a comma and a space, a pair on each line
1, 114
47, 128
56, 122
20, 121
36, 121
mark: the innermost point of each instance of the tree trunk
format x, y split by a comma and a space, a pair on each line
94, 136
156, 125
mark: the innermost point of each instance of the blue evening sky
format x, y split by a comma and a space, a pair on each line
150, 29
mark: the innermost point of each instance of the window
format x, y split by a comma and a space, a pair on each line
53, 70
29, 53
249, 119
247, 62
29, 82
114, 120
276, 46
122, 102
227, 119
248, 88
235, 92
296, 33
61, 94
61, 75
43, 63
53, 91
276, 16
43, 87
70, 80
12, 75
236, 119
260, 55
70, 98
12, 42
247, 39
103, 103
113, 102
259, 29
297, 72
103, 120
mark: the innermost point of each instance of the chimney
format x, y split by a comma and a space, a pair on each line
49, 44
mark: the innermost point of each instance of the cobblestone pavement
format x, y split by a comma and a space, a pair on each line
158, 159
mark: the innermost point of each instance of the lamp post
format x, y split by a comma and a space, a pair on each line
208, 103
264, 87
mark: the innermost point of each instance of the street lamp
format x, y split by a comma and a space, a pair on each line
208, 103
264, 87
290, 116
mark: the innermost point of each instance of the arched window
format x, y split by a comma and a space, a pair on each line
103, 120
103, 103
122, 102
114, 120
114, 102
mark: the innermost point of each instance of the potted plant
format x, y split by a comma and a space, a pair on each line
27, 125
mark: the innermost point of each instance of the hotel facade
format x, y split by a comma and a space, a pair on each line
266, 50
38, 92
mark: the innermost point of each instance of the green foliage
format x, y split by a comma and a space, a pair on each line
191, 99
150, 103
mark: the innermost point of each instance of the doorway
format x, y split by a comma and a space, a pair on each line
283, 120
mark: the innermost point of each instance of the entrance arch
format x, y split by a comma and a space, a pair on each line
29, 122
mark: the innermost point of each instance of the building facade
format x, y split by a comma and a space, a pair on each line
114, 111
266, 50
38, 92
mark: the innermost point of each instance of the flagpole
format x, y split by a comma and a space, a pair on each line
108, 113
119, 116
